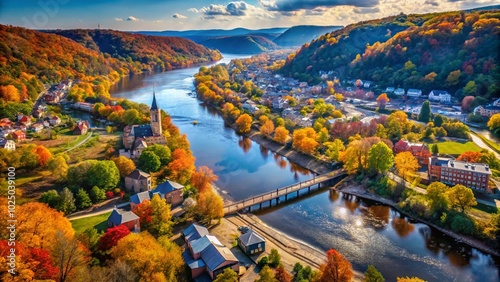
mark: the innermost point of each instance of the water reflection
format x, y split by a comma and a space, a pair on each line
402, 227
245, 144
264, 152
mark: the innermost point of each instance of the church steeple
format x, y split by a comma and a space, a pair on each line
155, 117
153, 105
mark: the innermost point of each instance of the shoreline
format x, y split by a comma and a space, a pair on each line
358, 191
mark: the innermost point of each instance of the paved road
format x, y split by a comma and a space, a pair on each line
81, 143
481, 144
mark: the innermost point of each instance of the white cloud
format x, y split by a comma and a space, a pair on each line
179, 16
118, 20
132, 18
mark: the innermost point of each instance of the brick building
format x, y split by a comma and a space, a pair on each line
451, 172
419, 151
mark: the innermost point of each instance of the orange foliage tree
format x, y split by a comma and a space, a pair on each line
382, 100
10, 93
210, 206
281, 134
244, 122
304, 140
472, 157
335, 268
202, 178
267, 128
124, 165
43, 155
182, 166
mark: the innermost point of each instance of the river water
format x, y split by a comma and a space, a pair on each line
364, 232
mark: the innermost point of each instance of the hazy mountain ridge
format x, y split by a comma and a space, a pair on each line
301, 34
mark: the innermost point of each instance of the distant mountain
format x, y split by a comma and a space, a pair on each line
456, 51
215, 32
244, 44
485, 8
145, 52
301, 34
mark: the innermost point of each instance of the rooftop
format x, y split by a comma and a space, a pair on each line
194, 232
118, 217
201, 244
450, 163
138, 174
251, 238
167, 187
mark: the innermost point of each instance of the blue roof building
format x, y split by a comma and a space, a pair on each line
252, 242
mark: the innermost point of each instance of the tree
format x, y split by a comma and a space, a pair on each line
470, 88
43, 155
282, 275
97, 195
466, 103
82, 199
69, 255
435, 149
161, 219
244, 122
228, 275
148, 257
182, 167
210, 206
461, 198
281, 134
438, 120
425, 112
304, 140
471, 157
382, 100
436, 192
103, 174
125, 165
144, 211
51, 198
66, 202
267, 128
453, 78
335, 268
333, 149
494, 123
406, 164
202, 178
274, 258
90, 238
380, 157
373, 275
149, 162
58, 167
163, 152
111, 237
266, 275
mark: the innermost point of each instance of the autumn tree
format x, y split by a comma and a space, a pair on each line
244, 122
436, 193
466, 103
209, 206
149, 258
144, 211
69, 255
58, 167
304, 140
471, 157
461, 198
149, 162
181, 168
202, 178
425, 112
380, 157
228, 275
335, 268
281, 275
229, 110
110, 238
406, 165
161, 218
494, 123
267, 128
355, 157
281, 135
382, 100
333, 149
266, 275
373, 275
43, 155
125, 165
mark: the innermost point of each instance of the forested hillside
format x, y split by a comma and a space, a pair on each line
298, 35
246, 44
454, 50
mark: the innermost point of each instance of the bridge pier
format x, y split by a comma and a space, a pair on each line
260, 206
309, 189
277, 200
297, 193
286, 197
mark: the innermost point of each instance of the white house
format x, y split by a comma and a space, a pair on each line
440, 95
497, 102
415, 93
37, 127
250, 106
55, 120
7, 144
399, 91
278, 102
487, 111
389, 90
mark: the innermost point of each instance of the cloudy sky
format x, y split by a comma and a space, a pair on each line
208, 14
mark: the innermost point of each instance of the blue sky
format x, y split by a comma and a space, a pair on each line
208, 14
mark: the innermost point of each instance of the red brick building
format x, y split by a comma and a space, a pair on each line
19, 135
451, 172
419, 151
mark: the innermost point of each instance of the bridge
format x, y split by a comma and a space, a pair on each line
282, 192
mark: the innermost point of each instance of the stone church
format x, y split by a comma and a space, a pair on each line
137, 137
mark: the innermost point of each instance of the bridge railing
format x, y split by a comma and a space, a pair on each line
283, 191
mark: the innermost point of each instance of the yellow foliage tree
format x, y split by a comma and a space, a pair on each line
210, 206
406, 165
244, 122
267, 128
281, 134
124, 165
304, 140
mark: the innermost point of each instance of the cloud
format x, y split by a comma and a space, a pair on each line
118, 20
132, 19
296, 5
232, 9
431, 2
193, 10
179, 16
363, 10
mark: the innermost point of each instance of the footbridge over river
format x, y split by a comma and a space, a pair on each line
282, 192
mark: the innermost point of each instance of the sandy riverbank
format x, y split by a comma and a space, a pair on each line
357, 190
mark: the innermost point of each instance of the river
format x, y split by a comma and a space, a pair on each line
366, 233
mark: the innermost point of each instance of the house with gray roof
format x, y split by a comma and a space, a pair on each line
194, 232
127, 218
252, 242
171, 191
138, 181
197, 246
217, 259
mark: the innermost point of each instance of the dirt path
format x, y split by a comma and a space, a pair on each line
81, 143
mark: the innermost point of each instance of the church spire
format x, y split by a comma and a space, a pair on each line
153, 105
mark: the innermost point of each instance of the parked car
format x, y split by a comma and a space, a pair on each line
243, 229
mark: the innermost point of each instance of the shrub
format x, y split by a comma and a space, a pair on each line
462, 224
110, 195
274, 258
263, 261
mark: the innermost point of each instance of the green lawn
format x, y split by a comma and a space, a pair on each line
456, 148
99, 222
491, 144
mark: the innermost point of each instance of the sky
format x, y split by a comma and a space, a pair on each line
135, 15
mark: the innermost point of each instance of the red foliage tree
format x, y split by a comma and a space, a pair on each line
145, 212
466, 103
111, 237
202, 178
472, 157
44, 268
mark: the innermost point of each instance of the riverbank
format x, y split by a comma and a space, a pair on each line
355, 189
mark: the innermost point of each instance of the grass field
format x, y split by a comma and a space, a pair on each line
491, 144
456, 148
98, 222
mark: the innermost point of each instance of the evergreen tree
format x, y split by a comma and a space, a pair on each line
425, 112
82, 199
435, 149
67, 202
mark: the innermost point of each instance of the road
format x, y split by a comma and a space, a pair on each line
98, 211
81, 143
481, 144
